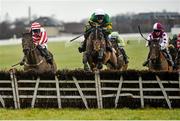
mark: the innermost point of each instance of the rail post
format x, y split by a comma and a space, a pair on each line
98, 90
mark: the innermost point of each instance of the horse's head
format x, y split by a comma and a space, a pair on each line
27, 43
154, 53
97, 38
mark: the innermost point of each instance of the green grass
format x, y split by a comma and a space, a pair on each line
67, 56
91, 114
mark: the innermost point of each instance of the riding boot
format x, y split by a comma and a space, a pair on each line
124, 55
46, 54
169, 57
146, 62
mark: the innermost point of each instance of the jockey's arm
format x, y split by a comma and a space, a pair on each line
108, 27
149, 38
43, 38
164, 43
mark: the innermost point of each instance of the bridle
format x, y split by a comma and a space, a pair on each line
27, 51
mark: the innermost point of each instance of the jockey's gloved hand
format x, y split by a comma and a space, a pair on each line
80, 49
39, 46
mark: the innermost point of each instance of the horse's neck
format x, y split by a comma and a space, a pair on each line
34, 57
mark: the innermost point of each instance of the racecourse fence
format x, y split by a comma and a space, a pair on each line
77, 88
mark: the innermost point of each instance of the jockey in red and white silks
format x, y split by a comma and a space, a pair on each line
39, 35
178, 42
40, 39
158, 33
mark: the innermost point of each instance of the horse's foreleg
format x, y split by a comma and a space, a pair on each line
113, 59
107, 57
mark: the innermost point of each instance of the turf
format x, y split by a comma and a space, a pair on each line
67, 56
91, 114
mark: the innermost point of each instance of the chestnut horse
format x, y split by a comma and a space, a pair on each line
120, 59
34, 61
157, 60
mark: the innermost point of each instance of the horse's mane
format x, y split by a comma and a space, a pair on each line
26, 34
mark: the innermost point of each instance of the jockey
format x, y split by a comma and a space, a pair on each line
101, 18
178, 42
40, 40
175, 42
114, 36
172, 42
158, 33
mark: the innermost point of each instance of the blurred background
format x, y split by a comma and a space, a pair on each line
63, 18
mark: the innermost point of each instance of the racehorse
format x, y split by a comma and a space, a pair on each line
157, 60
97, 47
120, 59
177, 60
34, 61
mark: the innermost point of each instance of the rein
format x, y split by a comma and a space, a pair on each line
33, 65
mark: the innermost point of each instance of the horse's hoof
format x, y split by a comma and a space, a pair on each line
87, 69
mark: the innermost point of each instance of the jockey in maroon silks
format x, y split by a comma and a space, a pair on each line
40, 39
158, 33
178, 42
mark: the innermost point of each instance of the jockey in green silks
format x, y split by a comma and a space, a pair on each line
101, 18
120, 43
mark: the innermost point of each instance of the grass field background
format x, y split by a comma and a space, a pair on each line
67, 56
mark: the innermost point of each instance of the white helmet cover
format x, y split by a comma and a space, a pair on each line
99, 12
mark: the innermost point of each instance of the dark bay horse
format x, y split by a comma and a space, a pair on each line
157, 60
120, 59
34, 61
177, 60
96, 47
